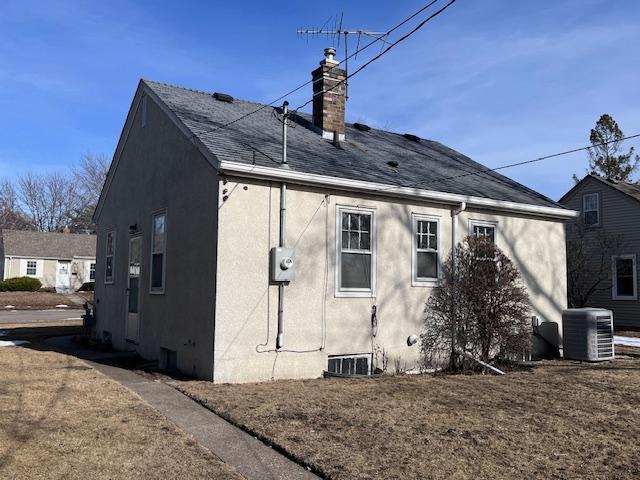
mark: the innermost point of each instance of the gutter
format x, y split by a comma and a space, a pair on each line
267, 173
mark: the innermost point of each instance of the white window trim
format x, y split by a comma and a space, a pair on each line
354, 292
87, 273
424, 282
614, 278
584, 201
158, 290
113, 258
39, 266
484, 223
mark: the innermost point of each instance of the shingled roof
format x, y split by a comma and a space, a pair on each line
62, 246
256, 140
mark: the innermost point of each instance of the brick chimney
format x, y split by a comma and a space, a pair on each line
328, 108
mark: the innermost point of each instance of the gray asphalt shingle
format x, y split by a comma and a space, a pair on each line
364, 156
22, 243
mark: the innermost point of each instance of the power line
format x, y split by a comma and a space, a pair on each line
362, 67
282, 97
510, 165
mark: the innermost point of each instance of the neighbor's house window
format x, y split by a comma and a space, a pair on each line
624, 277
426, 265
350, 364
591, 209
108, 259
486, 230
158, 244
356, 252
32, 268
92, 271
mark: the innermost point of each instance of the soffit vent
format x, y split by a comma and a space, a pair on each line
362, 127
411, 137
223, 97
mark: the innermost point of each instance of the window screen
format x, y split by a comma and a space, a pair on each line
426, 253
158, 241
624, 277
590, 209
355, 251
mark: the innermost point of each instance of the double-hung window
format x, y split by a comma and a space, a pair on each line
356, 252
32, 268
158, 248
92, 271
110, 249
624, 285
484, 230
591, 209
426, 263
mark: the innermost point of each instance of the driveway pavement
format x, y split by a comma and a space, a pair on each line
36, 316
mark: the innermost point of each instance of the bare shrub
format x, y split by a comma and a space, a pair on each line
480, 308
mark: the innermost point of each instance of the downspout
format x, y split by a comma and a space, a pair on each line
454, 233
283, 226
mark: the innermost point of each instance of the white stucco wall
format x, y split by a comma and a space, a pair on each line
318, 321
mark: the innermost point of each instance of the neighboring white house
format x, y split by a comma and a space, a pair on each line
63, 261
197, 197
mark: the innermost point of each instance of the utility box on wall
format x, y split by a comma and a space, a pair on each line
282, 264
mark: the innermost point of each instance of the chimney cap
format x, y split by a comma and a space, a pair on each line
329, 56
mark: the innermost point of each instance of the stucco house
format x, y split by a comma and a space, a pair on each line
614, 207
63, 261
218, 259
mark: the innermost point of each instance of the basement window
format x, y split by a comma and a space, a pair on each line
355, 272
158, 247
350, 364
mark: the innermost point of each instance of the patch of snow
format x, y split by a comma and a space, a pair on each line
12, 343
626, 341
9, 306
62, 305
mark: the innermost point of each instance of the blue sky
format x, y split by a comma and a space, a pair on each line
499, 80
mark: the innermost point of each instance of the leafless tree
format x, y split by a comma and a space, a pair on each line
89, 176
10, 214
49, 200
589, 252
481, 308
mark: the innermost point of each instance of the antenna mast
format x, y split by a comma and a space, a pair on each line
337, 33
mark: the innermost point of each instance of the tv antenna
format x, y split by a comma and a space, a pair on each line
336, 33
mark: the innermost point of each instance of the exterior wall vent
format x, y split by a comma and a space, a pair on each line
223, 97
587, 334
413, 138
362, 127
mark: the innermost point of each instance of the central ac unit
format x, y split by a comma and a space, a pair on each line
587, 334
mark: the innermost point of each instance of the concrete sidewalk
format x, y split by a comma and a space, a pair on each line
250, 457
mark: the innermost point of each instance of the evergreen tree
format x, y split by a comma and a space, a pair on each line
606, 157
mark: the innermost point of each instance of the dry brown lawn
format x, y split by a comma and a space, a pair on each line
561, 420
38, 300
59, 418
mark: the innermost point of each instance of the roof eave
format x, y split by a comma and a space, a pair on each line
267, 173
